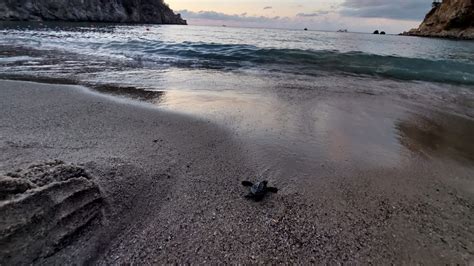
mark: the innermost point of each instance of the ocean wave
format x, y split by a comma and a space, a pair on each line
307, 62
216, 55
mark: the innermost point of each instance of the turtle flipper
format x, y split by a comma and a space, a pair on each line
247, 183
272, 189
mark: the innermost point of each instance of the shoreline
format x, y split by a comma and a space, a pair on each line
172, 186
437, 36
447, 100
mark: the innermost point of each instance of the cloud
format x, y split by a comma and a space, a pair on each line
314, 14
392, 9
267, 7
331, 20
217, 16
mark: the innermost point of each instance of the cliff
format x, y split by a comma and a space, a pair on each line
450, 19
117, 11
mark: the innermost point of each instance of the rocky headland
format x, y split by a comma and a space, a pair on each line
119, 11
449, 19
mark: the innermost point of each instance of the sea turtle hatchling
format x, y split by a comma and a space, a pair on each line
258, 190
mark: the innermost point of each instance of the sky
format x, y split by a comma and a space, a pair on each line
391, 16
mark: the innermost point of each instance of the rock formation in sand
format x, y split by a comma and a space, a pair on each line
126, 11
450, 19
43, 208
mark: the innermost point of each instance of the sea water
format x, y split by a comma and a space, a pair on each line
299, 101
312, 53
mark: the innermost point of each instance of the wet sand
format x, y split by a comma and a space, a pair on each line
362, 178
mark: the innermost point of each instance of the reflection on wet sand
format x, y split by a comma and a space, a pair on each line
294, 136
298, 131
287, 133
443, 135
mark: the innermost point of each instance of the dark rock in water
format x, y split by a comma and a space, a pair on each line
117, 11
51, 205
376, 32
449, 19
382, 32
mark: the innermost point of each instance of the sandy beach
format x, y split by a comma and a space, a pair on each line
172, 192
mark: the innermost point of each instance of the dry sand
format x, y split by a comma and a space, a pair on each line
172, 193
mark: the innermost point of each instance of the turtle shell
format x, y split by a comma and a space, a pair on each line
259, 188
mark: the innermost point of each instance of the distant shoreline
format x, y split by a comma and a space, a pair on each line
437, 36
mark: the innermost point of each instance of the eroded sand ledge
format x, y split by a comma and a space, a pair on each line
44, 208
171, 184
